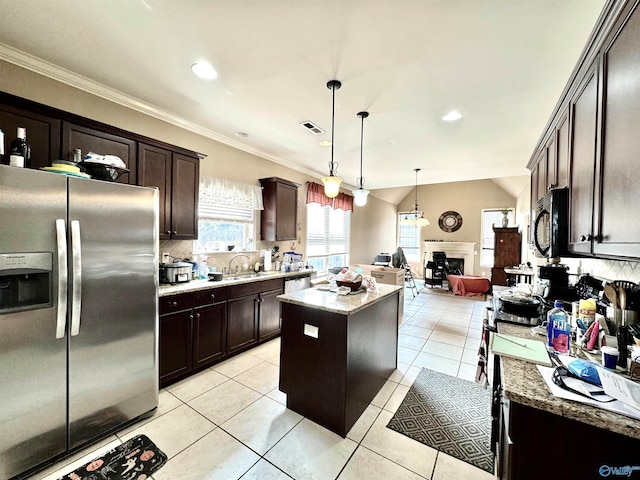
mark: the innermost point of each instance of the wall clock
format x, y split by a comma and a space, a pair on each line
450, 221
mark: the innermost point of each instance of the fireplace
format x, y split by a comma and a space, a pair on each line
456, 263
464, 251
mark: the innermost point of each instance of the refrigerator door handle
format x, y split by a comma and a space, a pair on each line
76, 276
63, 280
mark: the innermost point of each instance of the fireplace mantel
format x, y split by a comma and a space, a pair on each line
465, 250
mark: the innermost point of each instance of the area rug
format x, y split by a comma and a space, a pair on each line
136, 459
449, 414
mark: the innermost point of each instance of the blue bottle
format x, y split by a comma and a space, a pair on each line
558, 329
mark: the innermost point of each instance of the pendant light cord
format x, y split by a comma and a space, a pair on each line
333, 85
362, 116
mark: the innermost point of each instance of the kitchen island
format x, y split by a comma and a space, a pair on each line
337, 352
538, 435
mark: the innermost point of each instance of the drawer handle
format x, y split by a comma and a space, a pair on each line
174, 304
197, 315
213, 295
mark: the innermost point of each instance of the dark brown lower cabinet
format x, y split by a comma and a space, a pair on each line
175, 345
209, 334
193, 329
253, 313
270, 317
243, 322
531, 443
201, 328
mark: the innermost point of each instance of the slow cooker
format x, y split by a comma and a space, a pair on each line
177, 272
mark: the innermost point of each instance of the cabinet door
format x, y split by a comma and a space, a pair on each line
175, 345
542, 174
507, 247
210, 340
552, 164
618, 218
278, 220
185, 180
562, 159
154, 170
43, 134
102, 143
583, 162
242, 331
270, 317
287, 200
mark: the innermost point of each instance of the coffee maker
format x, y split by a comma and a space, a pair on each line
558, 279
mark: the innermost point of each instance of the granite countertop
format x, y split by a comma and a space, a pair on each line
523, 384
195, 285
332, 302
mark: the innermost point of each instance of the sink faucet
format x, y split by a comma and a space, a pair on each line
234, 257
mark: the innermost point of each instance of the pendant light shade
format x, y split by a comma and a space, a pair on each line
360, 194
332, 182
415, 216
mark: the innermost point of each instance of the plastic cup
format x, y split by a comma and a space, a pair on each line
609, 357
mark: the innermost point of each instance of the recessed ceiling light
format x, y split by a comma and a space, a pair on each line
325, 143
204, 70
452, 116
242, 134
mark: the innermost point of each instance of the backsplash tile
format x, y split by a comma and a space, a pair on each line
605, 269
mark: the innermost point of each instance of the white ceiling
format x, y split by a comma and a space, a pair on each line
502, 63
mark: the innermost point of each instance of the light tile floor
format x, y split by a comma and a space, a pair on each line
230, 421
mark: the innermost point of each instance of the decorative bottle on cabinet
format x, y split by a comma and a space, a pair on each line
507, 249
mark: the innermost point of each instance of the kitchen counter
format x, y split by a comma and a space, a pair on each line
342, 304
523, 384
195, 285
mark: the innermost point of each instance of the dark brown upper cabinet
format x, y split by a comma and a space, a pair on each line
102, 143
280, 215
177, 178
616, 214
43, 133
584, 107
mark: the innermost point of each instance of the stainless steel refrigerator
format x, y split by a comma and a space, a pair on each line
78, 312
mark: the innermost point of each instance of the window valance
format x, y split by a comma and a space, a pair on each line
315, 194
220, 191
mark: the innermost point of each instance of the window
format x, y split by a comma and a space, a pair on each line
328, 233
409, 240
221, 226
226, 213
491, 217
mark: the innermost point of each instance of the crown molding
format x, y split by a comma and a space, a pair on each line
67, 77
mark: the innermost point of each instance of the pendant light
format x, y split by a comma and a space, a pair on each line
360, 195
415, 216
332, 182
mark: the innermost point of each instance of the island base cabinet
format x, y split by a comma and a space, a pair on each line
333, 365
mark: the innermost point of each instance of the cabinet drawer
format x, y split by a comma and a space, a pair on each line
175, 303
252, 288
210, 296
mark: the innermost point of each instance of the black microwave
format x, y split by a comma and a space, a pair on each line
550, 227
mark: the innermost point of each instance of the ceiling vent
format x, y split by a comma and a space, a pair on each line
312, 127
